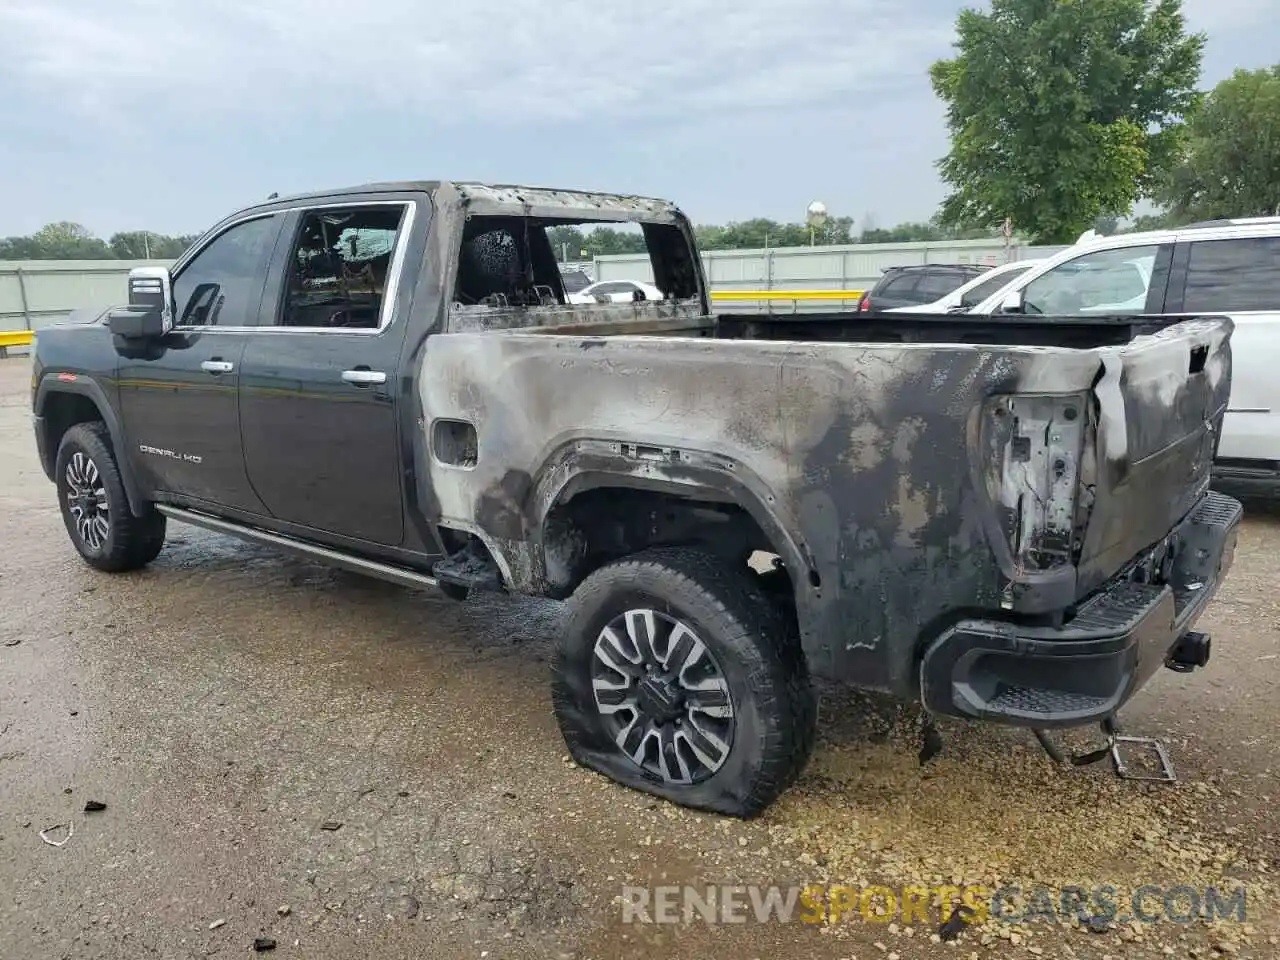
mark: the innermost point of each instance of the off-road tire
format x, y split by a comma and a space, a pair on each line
752, 639
130, 542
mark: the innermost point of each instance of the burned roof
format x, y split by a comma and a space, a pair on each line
546, 203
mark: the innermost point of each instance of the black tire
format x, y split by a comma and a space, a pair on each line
95, 509
754, 645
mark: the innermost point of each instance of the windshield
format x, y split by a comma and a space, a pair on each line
1107, 281
975, 295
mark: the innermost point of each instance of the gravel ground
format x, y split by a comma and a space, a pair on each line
353, 769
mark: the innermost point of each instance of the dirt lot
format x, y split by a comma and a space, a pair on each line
226, 702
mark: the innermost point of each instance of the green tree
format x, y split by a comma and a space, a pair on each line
144, 244
1232, 162
63, 240
1061, 111
568, 242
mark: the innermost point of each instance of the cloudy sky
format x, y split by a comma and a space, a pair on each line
165, 114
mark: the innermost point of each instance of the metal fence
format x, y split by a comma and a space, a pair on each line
35, 293
851, 266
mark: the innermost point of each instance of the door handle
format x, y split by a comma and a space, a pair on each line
217, 366
364, 378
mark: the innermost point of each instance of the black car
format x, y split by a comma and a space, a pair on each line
914, 285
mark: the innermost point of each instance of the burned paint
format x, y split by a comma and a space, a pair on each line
904, 512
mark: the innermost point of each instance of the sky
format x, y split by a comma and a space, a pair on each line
165, 115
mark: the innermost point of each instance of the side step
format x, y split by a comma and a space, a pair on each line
310, 551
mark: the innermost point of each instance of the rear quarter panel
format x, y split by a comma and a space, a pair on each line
860, 454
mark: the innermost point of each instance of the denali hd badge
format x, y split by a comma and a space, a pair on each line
156, 451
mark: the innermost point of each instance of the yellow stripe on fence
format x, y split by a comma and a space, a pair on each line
786, 294
15, 338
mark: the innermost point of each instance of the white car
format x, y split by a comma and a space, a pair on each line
1224, 267
615, 291
972, 293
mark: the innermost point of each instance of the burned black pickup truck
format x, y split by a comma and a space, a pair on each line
1005, 519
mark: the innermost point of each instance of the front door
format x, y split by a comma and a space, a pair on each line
179, 395
319, 388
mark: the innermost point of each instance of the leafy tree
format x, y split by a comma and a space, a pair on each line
1063, 110
144, 245
65, 240
1232, 164
569, 243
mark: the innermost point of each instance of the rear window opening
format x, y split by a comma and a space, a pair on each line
510, 273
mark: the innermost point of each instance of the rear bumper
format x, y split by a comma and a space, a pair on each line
1087, 669
1259, 478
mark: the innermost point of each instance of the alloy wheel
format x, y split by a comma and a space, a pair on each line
87, 501
663, 696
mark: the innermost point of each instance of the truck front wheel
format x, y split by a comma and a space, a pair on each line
677, 676
95, 508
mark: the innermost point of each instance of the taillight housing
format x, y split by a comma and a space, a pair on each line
864, 304
1034, 450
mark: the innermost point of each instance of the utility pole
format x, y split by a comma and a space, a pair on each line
146, 244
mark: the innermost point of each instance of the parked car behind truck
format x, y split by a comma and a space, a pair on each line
1227, 267
1004, 520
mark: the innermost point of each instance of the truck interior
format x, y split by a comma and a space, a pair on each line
508, 276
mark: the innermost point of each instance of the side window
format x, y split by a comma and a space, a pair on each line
1105, 281
612, 287
337, 270
899, 286
222, 283
1233, 275
936, 284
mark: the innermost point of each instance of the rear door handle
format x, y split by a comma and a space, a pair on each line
217, 366
364, 378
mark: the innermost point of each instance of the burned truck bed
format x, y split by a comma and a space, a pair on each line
905, 474
1080, 332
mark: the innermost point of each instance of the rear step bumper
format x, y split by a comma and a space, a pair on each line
1259, 478
1086, 670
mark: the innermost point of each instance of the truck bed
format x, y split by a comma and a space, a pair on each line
848, 326
881, 446
1078, 332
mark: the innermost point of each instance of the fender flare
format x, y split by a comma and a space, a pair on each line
86, 387
579, 465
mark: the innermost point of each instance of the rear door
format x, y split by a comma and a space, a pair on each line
1239, 276
321, 392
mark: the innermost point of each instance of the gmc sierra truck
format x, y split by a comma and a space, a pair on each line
1002, 518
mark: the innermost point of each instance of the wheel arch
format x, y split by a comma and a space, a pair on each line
580, 469
61, 404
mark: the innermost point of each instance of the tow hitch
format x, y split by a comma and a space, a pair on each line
1188, 653
1114, 748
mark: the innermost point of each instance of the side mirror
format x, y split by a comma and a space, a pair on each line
1012, 303
149, 314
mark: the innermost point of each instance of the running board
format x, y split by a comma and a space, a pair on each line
383, 571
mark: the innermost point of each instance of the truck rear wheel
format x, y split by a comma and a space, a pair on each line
95, 508
677, 676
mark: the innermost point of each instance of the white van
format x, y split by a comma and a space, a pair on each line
1229, 267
